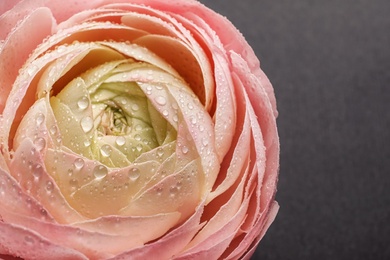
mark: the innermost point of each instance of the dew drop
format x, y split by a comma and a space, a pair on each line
37, 171
135, 107
161, 100
100, 172
134, 174
39, 143
159, 191
53, 129
120, 140
139, 128
73, 183
165, 113
139, 147
87, 143
184, 149
49, 186
86, 124
205, 142
83, 103
106, 150
78, 163
173, 191
39, 119
160, 151
61, 48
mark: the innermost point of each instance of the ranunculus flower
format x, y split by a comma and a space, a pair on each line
132, 129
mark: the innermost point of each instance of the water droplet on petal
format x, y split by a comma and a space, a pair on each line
106, 150
87, 143
83, 103
73, 183
135, 107
173, 191
53, 129
100, 172
205, 142
49, 186
161, 100
160, 151
120, 140
134, 174
39, 119
86, 124
184, 149
159, 191
39, 143
78, 163
37, 171
193, 120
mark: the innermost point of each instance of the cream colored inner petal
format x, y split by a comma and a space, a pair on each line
118, 125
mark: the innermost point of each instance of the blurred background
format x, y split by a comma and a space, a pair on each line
329, 62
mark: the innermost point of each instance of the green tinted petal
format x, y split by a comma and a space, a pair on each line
72, 134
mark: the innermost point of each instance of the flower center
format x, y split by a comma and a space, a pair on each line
115, 119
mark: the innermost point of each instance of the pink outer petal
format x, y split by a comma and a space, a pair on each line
169, 245
16, 200
216, 236
227, 31
200, 127
7, 5
253, 237
264, 118
134, 232
39, 184
144, 228
238, 157
225, 111
213, 252
10, 60
34, 127
24, 243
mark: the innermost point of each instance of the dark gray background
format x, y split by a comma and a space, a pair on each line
329, 62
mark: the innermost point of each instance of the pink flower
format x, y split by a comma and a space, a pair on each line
139, 129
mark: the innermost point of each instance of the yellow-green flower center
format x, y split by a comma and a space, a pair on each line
106, 116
